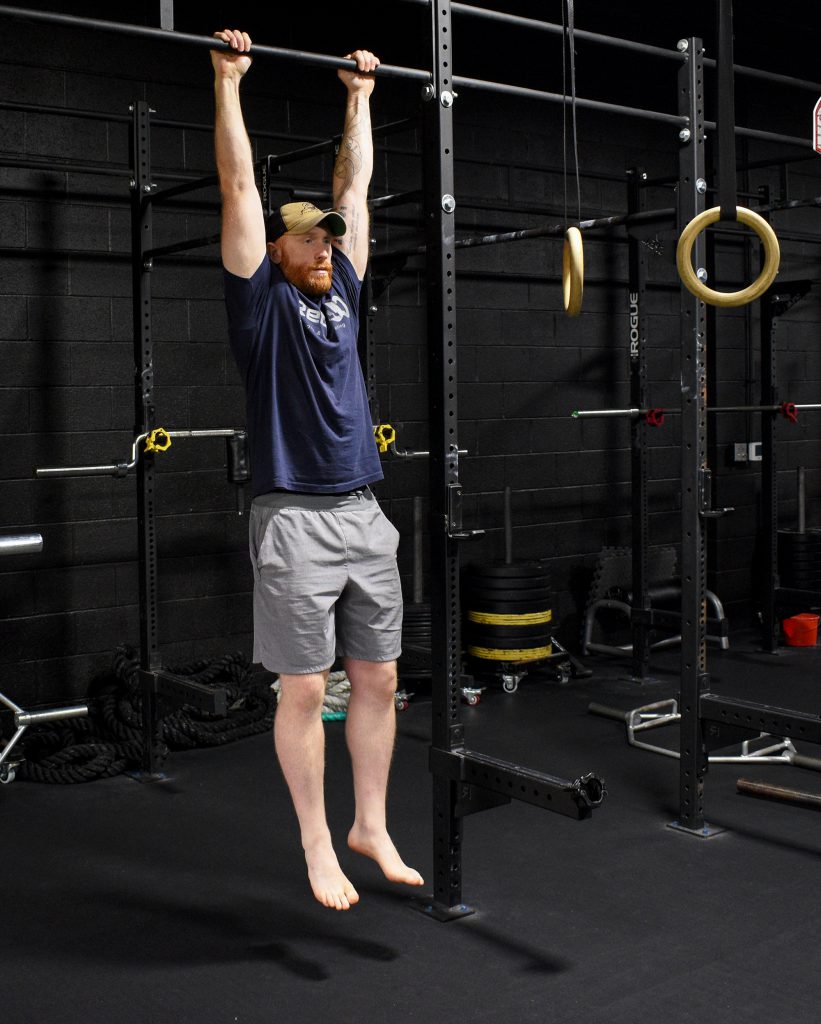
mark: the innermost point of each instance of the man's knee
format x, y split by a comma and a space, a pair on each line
374, 677
303, 693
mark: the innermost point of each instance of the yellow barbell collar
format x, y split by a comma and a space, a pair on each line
573, 271
158, 440
385, 435
772, 257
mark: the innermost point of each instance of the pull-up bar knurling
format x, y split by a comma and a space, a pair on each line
205, 42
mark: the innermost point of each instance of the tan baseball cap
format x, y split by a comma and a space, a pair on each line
300, 218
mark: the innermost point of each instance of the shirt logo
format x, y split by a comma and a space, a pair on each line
336, 308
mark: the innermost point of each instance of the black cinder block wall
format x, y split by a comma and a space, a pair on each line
66, 396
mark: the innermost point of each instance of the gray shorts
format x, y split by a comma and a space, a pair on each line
326, 583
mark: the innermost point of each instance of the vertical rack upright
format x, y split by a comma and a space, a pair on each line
144, 418
445, 490
695, 480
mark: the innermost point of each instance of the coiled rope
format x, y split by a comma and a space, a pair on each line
109, 739
337, 695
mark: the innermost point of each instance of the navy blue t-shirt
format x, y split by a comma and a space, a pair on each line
309, 426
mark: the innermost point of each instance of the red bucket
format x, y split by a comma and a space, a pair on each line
801, 630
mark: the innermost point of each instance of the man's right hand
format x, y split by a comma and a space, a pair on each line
234, 63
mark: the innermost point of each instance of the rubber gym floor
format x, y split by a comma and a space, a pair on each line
187, 901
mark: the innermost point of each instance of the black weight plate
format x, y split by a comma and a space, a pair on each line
492, 629
534, 594
472, 585
802, 562
501, 570
413, 610
504, 643
508, 607
416, 623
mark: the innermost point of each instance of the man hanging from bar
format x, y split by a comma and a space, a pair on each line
326, 583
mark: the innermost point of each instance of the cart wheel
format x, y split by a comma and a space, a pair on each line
510, 684
563, 674
472, 699
7, 774
401, 705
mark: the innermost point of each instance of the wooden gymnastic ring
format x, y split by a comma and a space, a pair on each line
772, 257
573, 271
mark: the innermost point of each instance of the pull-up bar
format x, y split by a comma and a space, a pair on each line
388, 70
547, 231
531, 24
616, 108
555, 97
204, 42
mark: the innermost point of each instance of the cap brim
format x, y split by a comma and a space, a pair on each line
329, 219
335, 223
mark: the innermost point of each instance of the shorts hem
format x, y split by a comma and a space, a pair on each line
369, 657
280, 671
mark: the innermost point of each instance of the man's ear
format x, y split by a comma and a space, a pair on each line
274, 253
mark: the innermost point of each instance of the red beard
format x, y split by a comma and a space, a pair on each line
311, 281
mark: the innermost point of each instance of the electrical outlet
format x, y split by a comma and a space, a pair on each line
739, 452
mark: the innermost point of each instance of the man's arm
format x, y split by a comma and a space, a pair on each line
243, 222
354, 163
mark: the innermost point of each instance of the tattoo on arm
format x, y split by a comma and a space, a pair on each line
349, 159
352, 215
351, 177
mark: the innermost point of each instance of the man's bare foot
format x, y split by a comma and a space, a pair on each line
379, 847
327, 879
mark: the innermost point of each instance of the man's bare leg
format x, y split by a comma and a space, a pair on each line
370, 730
299, 736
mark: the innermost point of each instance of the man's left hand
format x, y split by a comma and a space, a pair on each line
362, 79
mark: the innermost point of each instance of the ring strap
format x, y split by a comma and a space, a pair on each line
727, 194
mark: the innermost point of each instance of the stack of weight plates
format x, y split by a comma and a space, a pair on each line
799, 559
416, 641
507, 612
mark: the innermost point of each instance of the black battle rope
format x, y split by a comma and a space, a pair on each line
725, 118
569, 47
109, 740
